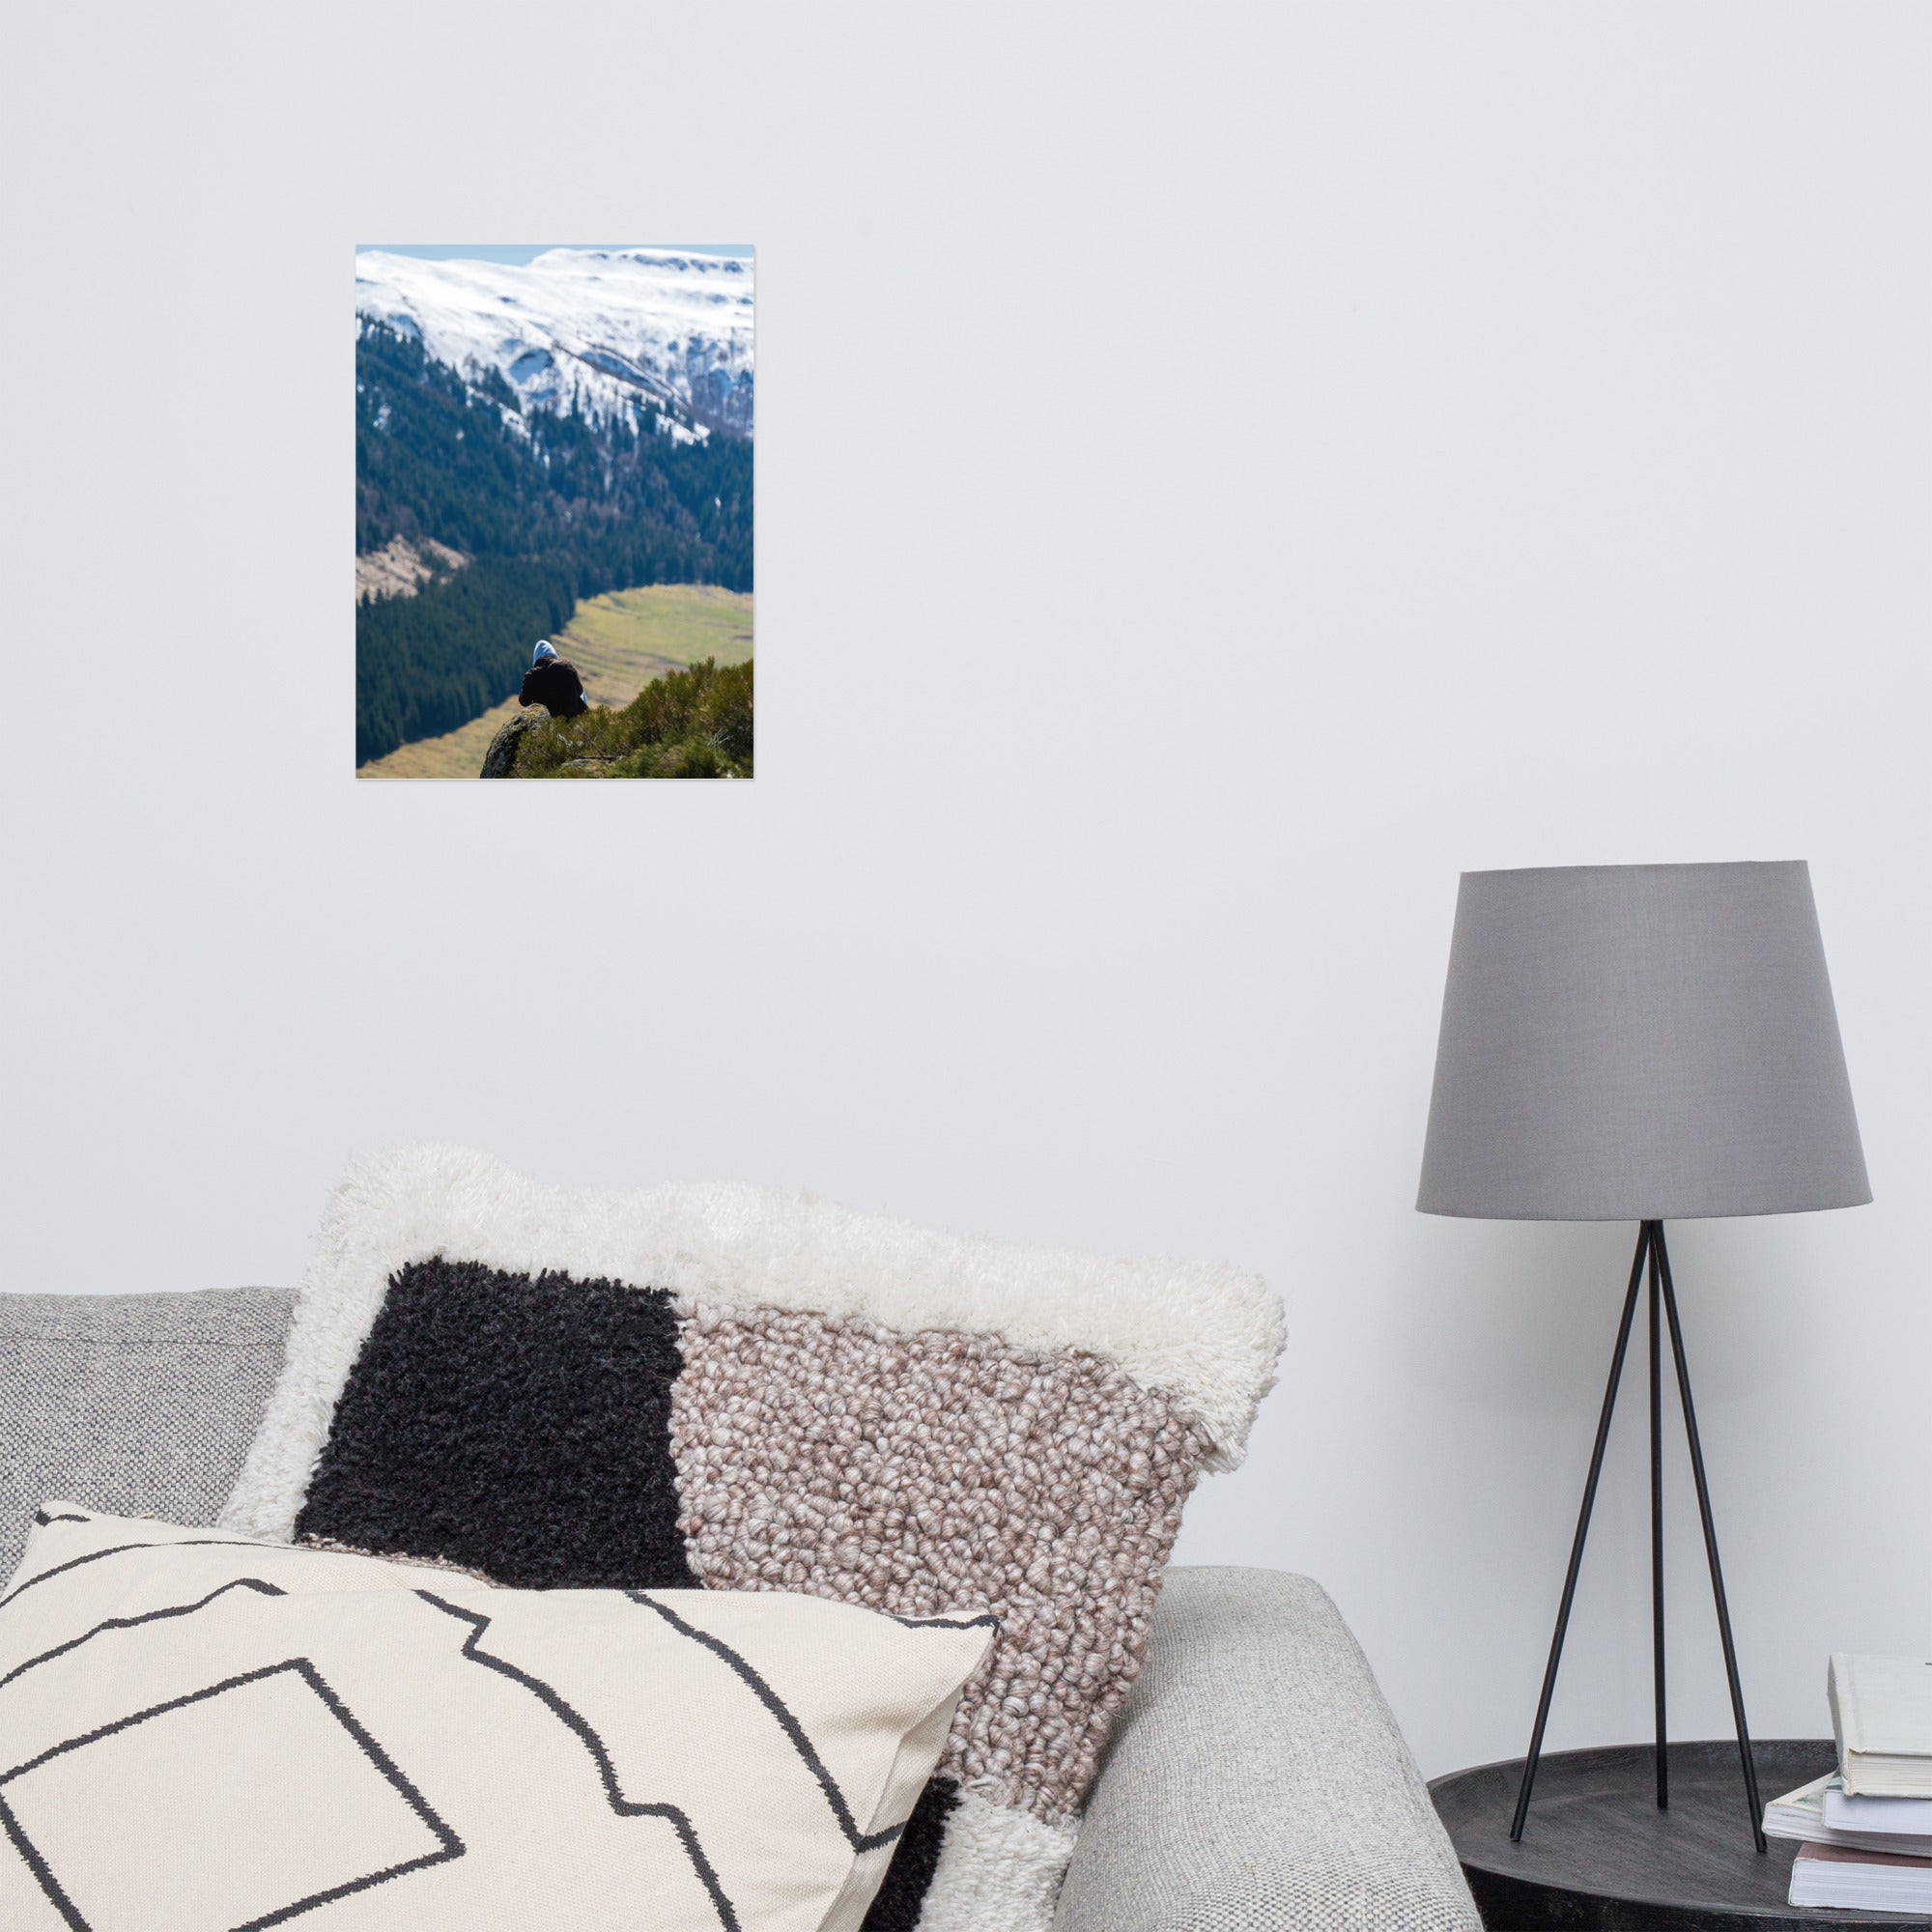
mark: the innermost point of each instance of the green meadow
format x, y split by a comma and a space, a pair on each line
620, 642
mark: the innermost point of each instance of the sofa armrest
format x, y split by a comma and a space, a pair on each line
1257, 1780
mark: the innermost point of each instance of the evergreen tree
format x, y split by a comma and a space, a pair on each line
551, 507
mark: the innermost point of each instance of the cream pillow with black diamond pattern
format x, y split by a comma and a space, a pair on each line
201, 1733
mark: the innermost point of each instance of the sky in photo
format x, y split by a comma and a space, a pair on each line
519, 253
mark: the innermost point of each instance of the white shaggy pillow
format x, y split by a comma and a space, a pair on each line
199, 1732
752, 1389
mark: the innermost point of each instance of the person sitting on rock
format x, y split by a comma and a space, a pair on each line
552, 682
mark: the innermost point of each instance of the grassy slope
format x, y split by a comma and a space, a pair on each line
618, 644
693, 723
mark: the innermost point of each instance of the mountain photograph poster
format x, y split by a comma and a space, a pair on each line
553, 512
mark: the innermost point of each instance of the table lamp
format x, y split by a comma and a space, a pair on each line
1640, 1043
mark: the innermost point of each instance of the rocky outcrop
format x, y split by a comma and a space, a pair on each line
500, 761
400, 568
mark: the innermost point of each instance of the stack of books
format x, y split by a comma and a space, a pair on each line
1866, 1830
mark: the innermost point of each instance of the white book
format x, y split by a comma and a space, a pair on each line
1882, 1716
1902, 1818
1807, 1814
1859, 1881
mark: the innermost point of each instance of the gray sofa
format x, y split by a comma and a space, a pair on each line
1256, 1778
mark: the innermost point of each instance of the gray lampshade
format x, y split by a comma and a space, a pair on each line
1639, 1043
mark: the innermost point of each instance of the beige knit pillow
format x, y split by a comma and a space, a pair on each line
200, 1733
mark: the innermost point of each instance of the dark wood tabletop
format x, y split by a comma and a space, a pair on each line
1598, 1856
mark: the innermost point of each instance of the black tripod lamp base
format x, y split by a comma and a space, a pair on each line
1652, 1257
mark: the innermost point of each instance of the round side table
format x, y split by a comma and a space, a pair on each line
1598, 1856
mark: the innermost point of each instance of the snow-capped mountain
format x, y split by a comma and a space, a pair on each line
586, 328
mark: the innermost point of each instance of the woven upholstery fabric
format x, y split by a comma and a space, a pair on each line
1256, 1778
1257, 1781
138, 1404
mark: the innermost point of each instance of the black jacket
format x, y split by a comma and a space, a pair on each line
554, 685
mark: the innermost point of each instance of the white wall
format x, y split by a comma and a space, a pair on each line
1223, 472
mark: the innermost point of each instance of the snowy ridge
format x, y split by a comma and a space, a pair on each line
593, 330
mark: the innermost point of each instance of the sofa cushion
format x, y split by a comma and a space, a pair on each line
141, 1404
1258, 1778
204, 1731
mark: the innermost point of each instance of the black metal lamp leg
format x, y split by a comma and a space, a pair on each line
1710, 1541
1656, 1517
1643, 1242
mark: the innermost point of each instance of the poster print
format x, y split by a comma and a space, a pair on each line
553, 512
